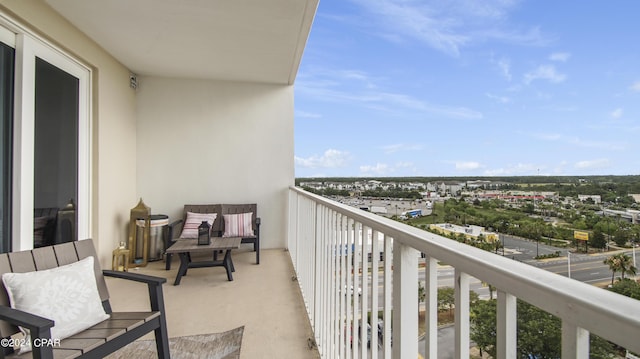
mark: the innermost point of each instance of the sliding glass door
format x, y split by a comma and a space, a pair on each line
7, 58
45, 151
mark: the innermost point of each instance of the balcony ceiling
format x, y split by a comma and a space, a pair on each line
235, 40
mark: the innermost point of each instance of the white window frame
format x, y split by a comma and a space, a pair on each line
28, 46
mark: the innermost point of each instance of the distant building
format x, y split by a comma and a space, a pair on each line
485, 184
594, 197
514, 196
470, 231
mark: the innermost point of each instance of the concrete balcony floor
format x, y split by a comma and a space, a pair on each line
263, 298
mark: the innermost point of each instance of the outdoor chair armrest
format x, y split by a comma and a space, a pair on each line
154, 284
39, 328
136, 277
172, 228
176, 222
24, 319
170, 240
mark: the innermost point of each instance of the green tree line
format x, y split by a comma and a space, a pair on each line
496, 215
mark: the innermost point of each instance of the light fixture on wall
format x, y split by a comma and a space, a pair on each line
133, 81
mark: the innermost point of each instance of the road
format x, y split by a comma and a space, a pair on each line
585, 268
445, 340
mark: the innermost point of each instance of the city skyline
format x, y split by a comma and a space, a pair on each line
461, 88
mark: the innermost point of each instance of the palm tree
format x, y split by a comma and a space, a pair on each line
620, 263
627, 266
491, 289
614, 264
421, 293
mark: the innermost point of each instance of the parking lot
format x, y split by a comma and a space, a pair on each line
388, 207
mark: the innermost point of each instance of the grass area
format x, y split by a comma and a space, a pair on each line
444, 318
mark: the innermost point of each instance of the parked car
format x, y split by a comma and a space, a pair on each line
381, 331
350, 291
368, 335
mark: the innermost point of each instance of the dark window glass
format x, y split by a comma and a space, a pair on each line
56, 155
6, 138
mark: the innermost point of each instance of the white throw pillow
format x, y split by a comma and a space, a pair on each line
68, 295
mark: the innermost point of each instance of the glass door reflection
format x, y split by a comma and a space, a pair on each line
56, 155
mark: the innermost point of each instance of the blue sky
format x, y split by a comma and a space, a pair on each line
469, 88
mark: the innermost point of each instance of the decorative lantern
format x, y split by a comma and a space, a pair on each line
138, 246
204, 233
120, 258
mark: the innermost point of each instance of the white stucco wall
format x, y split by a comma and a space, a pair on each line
114, 124
189, 141
216, 142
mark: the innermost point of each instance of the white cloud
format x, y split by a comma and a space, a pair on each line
445, 26
609, 146
404, 164
616, 145
466, 166
418, 21
548, 136
617, 113
496, 172
401, 147
330, 159
505, 67
378, 169
544, 72
635, 87
501, 99
355, 75
596, 164
328, 87
351, 75
383, 169
560, 56
519, 169
304, 114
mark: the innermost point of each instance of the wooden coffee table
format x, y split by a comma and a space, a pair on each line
183, 247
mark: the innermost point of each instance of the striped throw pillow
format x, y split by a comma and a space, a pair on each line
238, 225
190, 227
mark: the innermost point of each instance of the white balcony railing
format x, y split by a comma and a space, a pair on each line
329, 244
